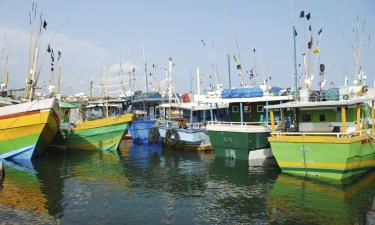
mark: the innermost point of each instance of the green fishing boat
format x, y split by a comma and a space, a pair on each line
242, 131
80, 131
330, 139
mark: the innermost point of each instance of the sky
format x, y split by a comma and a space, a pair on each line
92, 34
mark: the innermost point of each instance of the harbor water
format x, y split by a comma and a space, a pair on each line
148, 184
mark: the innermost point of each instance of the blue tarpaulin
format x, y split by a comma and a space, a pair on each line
242, 92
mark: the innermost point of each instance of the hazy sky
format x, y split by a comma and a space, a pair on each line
91, 33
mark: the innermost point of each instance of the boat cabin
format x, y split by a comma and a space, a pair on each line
145, 105
344, 116
192, 112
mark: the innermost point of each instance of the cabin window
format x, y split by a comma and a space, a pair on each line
260, 108
306, 117
235, 109
322, 117
247, 109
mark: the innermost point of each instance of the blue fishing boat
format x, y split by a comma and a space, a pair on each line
145, 107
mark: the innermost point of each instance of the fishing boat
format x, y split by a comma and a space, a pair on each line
96, 124
330, 139
184, 124
145, 108
331, 134
27, 128
88, 128
241, 133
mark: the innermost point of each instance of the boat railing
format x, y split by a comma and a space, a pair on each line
242, 124
332, 134
181, 124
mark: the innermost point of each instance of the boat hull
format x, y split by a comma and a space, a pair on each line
238, 143
139, 130
26, 134
101, 134
189, 139
334, 159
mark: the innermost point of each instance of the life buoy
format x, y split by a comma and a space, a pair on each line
172, 137
153, 135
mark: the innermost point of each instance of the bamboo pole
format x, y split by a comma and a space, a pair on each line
272, 121
282, 119
358, 110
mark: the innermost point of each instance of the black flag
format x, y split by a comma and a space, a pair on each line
308, 16
45, 24
322, 67
49, 48
320, 31
302, 14
309, 27
295, 33
309, 44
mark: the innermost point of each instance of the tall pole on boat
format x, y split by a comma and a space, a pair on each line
229, 78
106, 90
198, 82
145, 63
170, 86
32, 75
295, 76
239, 65
295, 72
59, 81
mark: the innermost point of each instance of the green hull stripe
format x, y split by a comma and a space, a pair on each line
299, 169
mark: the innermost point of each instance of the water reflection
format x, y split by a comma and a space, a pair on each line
149, 184
313, 202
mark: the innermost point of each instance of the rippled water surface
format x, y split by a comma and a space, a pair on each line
151, 185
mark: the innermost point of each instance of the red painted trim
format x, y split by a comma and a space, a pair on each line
19, 114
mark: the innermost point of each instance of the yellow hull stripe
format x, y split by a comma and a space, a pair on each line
318, 139
104, 122
25, 128
25, 120
328, 165
96, 145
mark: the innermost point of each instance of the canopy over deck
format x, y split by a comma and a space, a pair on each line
295, 104
247, 100
193, 106
141, 100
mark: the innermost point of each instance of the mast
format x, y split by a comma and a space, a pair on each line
59, 81
198, 82
32, 76
106, 90
239, 66
169, 77
145, 63
229, 78
255, 74
295, 75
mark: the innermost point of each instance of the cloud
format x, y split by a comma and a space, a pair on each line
124, 68
79, 61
